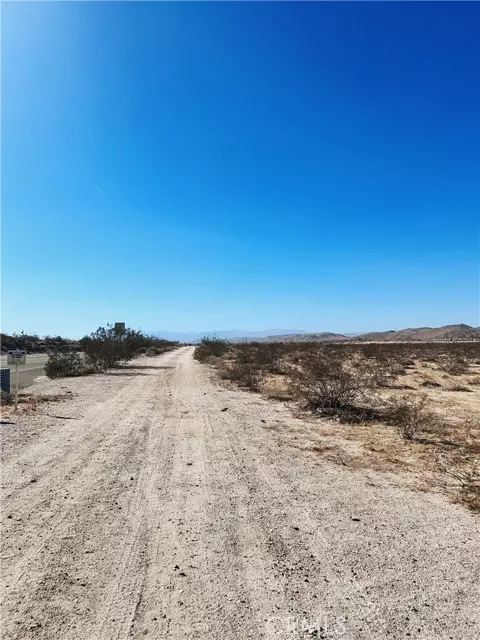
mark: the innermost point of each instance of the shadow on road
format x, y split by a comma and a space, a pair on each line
145, 366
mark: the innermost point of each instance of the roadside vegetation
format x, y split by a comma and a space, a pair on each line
102, 350
33, 343
408, 407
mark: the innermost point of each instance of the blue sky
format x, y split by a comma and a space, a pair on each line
194, 166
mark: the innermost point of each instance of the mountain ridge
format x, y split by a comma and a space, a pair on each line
449, 332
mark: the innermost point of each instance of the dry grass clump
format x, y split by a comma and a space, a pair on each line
30, 403
458, 387
5, 398
430, 384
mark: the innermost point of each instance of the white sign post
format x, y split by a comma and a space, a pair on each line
16, 357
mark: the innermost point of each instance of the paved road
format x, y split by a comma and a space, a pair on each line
26, 373
153, 503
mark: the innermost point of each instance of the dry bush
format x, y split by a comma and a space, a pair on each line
210, 347
245, 374
431, 384
327, 385
458, 387
454, 364
5, 398
276, 389
381, 372
409, 414
156, 351
475, 381
266, 356
223, 369
466, 471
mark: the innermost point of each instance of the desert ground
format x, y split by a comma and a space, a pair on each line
157, 501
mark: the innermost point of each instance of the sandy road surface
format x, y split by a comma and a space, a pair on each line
154, 513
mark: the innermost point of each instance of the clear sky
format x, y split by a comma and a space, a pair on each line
192, 166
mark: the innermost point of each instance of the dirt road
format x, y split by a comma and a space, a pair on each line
158, 505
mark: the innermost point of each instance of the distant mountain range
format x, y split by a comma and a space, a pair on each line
425, 334
231, 334
449, 332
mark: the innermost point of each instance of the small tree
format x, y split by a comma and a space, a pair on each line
106, 349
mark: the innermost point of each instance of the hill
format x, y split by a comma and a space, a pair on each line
451, 332
307, 337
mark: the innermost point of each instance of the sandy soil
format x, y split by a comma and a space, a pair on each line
157, 504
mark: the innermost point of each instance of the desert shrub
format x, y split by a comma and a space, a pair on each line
154, 351
454, 364
327, 385
210, 347
5, 398
457, 387
475, 381
62, 364
247, 375
431, 384
410, 415
466, 471
223, 368
382, 372
243, 373
471, 487
264, 355
105, 349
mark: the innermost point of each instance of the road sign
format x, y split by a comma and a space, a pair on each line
17, 356
5, 380
119, 328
